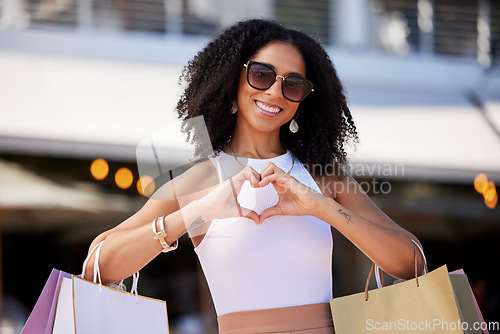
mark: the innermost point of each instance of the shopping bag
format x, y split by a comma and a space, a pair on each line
428, 307
41, 318
425, 304
86, 307
471, 314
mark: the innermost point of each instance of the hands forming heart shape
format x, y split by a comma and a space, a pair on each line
294, 198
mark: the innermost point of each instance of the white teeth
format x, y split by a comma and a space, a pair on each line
267, 108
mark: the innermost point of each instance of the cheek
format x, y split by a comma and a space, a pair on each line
293, 109
245, 93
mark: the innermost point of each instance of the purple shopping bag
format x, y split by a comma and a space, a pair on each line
41, 319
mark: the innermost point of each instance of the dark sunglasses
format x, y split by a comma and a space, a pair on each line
294, 87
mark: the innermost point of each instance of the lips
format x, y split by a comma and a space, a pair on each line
269, 108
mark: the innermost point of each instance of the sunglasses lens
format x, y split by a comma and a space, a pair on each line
295, 88
260, 76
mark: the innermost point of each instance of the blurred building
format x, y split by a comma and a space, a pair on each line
88, 79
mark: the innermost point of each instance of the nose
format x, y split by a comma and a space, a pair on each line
276, 89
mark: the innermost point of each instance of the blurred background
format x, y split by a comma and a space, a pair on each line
82, 82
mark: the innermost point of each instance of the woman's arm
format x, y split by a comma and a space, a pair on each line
127, 250
188, 202
131, 245
345, 206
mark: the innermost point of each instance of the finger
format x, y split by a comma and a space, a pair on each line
269, 212
244, 212
270, 169
247, 174
269, 179
237, 182
254, 177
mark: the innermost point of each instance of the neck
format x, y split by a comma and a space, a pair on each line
257, 145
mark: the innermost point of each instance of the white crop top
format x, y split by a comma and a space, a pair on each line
285, 261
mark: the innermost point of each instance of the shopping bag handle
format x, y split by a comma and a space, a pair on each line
96, 262
380, 282
97, 273
377, 269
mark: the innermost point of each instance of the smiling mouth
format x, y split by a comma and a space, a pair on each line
269, 109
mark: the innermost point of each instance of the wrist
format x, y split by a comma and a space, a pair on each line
195, 209
323, 207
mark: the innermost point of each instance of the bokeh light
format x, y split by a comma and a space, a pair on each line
99, 169
491, 202
488, 187
146, 185
124, 178
489, 191
480, 182
490, 195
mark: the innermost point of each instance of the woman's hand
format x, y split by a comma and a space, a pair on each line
222, 202
294, 198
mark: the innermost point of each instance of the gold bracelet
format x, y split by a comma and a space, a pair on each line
161, 235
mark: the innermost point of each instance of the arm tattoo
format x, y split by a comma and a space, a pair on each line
346, 215
197, 222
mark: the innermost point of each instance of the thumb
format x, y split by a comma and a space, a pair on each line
250, 214
269, 212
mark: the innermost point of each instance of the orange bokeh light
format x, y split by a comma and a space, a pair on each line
480, 182
487, 189
124, 178
490, 191
146, 185
491, 202
99, 169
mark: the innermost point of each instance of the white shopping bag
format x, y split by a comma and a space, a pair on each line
86, 307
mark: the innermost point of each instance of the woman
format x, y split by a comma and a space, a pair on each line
278, 121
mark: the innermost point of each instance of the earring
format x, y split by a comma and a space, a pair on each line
294, 126
234, 108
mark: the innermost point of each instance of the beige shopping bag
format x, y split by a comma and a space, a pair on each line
425, 305
470, 315
407, 307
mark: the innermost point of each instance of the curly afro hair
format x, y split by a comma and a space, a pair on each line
211, 80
